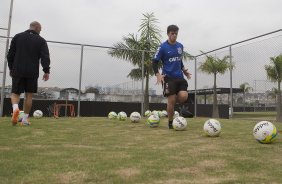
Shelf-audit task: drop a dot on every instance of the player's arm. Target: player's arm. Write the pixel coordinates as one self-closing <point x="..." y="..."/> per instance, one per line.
<point x="45" y="60"/>
<point x="185" y="71"/>
<point x="160" y="77"/>
<point x="155" y="61"/>
<point x="11" y="54"/>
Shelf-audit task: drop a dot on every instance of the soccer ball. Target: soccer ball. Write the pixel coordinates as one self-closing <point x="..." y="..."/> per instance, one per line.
<point x="176" y="114"/>
<point x="112" y="115"/>
<point x="135" y="117"/>
<point x="122" y="116"/>
<point x="148" y="113"/>
<point x="179" y="123"/>
<point x="156" y="113"/>
<point x="153" y="121"/>
<point x="21" y="115"/>
<point x="164" y="113"/>
<point x="212" y="127"/>
<point x="265" y="132"/>
<point x="37" y="114"/>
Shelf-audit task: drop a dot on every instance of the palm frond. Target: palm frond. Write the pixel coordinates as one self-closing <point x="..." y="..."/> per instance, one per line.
<point x="213" y="65"/>
<point x="274" y="69"/>
<point x="135" y="74"/>
<point x="131" y="47"/>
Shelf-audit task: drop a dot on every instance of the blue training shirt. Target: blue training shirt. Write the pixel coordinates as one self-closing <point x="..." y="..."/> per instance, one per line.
<point x="171" y="57"/>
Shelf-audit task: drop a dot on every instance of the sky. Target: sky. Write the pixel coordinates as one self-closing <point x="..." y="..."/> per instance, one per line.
<point x="204" y="24"/>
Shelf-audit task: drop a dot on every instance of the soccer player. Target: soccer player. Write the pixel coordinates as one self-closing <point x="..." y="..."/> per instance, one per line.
<point x="174" y="85"/>
<point x="27" y="50"/>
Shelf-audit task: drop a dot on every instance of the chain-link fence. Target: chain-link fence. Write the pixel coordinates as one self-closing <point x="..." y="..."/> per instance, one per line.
<point x="88" y="73"/>
<point x="256" y="92"/>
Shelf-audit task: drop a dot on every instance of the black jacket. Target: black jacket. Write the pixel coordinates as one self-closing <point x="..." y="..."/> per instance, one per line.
<point x="26" y="49"/>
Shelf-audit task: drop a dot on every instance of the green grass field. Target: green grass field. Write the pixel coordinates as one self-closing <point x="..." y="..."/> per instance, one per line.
<point x="270" y="116"/>
<point x="102" y="151"/>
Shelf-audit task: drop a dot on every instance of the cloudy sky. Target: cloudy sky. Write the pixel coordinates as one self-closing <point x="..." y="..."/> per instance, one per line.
<point x="204" y="24"/>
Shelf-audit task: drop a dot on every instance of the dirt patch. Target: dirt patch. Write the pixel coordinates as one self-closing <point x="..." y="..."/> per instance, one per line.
<point x="116" y="155"/>
<point x="5" y="148"/>
<point x="127" y="173"/>
<point x="38" y="133"/>
<point x="38" y="146"/>
<point x="72" y="177"/>
<point x="213" y="164"/>
<point x="78" y="146"/>
<point x="214" y="180"/>
<point x="173" y="181"/>
<point x="186" y="170"/>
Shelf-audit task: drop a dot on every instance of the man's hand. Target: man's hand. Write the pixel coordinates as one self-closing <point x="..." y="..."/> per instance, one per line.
<point x="45" y="77"/>
<point x="187" y="74"/>
<point x="160" y="78"/>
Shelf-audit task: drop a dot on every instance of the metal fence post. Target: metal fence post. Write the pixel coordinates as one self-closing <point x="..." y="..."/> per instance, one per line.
<point x="231" y="86"/>
<point x="195" y="97"/>
<point x="142" y="86"/>
<point x="5" y="61"/>
<point x="80" y="78"/>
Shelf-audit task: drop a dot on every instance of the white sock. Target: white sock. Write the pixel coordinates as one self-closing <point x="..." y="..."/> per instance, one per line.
<point x="15" y="106"/>
<point x="25" y="116"/>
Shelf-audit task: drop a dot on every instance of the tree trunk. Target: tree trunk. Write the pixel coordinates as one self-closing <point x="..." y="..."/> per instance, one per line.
<point x="244" y="101"/>
<point x="146" y="94"/>
<point x="278" y="107"/>
<point x="215" y="113"/>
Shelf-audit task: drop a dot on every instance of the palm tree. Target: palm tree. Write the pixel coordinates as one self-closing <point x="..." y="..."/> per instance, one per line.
<point x="274" y="74"/>
<point x="273" y="94"/>
<point x="128" y="50"/>
<point x="215" y="66"/>
<point x="246" y="88"/>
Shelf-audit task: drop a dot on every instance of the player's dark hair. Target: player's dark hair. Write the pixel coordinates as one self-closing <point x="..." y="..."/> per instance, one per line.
<point x="172" y="28"/>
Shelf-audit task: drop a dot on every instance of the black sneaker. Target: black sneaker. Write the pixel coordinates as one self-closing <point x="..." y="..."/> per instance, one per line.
<point x="184" y="112"/>
<point x="170" y="126"/>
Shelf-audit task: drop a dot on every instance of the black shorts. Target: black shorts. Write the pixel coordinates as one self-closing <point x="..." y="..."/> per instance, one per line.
<point x="22" y="85"/>
<point x="172" y="86"/>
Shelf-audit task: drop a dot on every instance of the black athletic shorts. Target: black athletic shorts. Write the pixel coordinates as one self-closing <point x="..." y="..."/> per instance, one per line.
<point x="172" y="86"/>
<point x="22" y="85"/>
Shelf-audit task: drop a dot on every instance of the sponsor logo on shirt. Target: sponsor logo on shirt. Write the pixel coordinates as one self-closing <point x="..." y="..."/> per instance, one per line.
<point x="174" y="59"/>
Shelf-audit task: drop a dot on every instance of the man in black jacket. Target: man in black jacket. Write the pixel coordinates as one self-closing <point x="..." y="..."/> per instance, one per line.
<point x="26" y="51"/>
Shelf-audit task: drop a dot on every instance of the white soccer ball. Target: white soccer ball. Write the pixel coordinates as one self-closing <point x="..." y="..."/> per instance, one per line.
<point x="21" y="115"/>
<point x="153" y="121"/>
<point x="37" y="114"/>
<point x="265" y="132"/>
<point x="148" y="113"/>
<point x="155" y="112"/>
<point x="164" y="113"/>
<point x="112" y="115"/>
<point x="179" y="123"/>
<point x="212" y="127"/>
<point x="122" y="116"/>
<point x="176" y="114"/>
<point x="135" y="117"/>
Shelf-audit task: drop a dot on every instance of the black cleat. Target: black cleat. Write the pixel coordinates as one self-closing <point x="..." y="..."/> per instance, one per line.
<point x="184" y="112"/>
<point x="170" y="125"/>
